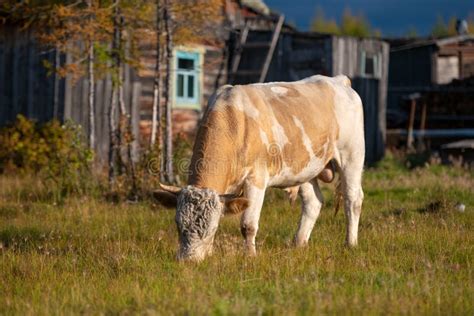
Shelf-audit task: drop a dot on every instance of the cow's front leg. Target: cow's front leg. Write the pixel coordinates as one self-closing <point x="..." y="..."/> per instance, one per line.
<point x="353" y="197"/>
<point x="251" y="216"/>
<point x="311" y="203"/>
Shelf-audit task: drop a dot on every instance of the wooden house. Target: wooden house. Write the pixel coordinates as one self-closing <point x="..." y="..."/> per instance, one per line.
<point x="430" y="89"/>
<point x="27" y="88"/>
<point x="259" y="47"/>
<point x="201" y="68"/>
<point x="249" y="44"/>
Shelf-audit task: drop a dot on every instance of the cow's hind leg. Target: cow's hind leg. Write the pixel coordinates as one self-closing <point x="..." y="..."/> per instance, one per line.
<point x="311" y="203"/>
<point x="351" y="168"/>
<point x="251" y="216"/>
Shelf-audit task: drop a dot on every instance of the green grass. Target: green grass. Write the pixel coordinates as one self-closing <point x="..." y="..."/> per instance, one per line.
<point x="90" y="256"/>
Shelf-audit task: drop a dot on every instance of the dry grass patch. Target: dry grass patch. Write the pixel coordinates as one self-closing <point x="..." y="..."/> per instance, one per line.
<point x="91" y="256"/>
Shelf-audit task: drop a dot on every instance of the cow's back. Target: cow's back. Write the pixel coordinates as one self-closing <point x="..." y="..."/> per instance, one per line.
<point x="294" y="124"/>
<point x="281" y="133"/>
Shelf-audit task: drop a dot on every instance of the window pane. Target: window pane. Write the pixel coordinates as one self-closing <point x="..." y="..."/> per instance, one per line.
<point x="369" y="65"/>
<point x="180" y="87"/>
<point x="191" y="87"/>
<point x="185" y="64"/>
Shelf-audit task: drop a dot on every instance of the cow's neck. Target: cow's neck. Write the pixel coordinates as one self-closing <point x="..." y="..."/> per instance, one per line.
<point x="214" y="161"/>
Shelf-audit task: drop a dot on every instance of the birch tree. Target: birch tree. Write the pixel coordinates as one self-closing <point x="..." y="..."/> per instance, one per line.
<point x="156" y="109"/>
<point x="91" y="77"/>
<point x="168" y="20"/>
<point x="184" y="22"/>
<point x="113" y="131"/>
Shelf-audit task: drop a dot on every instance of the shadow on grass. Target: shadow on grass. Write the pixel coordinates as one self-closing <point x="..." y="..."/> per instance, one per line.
<point x="397" y="212"/>
<point x="24" y="238"/>
<point x="435" y="207"/>
<point x="9" y="211"/>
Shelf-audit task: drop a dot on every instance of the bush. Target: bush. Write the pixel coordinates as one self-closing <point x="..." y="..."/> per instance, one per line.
<point x="55" y="152"/>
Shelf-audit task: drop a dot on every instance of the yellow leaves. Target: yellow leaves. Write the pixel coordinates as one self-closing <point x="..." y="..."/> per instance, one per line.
<point x="351" y="24"/>
<point x="70" y="27"/>
<point x="49" y="147"/>
<point x="63" y="12"/>
<point x="196" y="20"/>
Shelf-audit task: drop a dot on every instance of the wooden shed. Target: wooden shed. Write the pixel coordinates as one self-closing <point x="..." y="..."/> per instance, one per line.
<point x="300" y="55"/>
<point x="440" y="73"/>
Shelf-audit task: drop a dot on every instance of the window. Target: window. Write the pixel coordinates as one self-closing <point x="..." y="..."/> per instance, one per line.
<point x="370" y="65"/>
<point x="187" y="79"/>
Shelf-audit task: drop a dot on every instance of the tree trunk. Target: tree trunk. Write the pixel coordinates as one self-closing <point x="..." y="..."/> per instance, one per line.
<point x="112" y="137"/>
<point x="57" y="81"/>
<point x="156" y="116"/>
<point x="91" y="96"/>
<point x="125" y="130"/>
<point x="91" y="77"/>
<point x="169" y="60"/>
<point x="113" y="133"/>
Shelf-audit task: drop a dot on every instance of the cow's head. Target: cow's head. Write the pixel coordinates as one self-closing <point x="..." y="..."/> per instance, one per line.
<point x="198" y="212"/>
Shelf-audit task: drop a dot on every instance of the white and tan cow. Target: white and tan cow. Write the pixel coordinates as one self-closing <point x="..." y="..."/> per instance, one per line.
<point x="280" y="134"/>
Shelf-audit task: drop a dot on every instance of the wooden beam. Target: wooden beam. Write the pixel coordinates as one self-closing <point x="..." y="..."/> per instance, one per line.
<point x="411" y="122"/>
<point x="268" y="60"/>
<point x="421" y="136"/>
<point x="460" y="64"/>
<point x="246" y="73"/>
<point x="30" y="78"/>
<point x="256" y="45"/>
<point x="238" y="50"/>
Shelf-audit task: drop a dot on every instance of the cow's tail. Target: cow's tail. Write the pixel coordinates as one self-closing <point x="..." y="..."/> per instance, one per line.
<point x="338" y="197"/>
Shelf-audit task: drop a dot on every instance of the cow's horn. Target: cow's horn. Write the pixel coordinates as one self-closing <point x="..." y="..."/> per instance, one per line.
<point x="170" y="188"/>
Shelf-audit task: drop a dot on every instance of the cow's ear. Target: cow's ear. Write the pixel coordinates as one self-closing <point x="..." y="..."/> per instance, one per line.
<point x="233" y="204"/>
<point x="165" y="198"/>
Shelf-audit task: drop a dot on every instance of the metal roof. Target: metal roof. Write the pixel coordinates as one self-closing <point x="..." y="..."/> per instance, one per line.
<point x="436" y="41"/>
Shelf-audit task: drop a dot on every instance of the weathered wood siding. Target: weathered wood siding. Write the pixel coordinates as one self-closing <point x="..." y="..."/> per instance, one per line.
<point x="26" y="88"/>
<point x="411" y="67"/>
<point x="214" y="75"/>
<point x="447" y="69"/>
<point x="347" y="60"/>
<point x="374" y="123"/>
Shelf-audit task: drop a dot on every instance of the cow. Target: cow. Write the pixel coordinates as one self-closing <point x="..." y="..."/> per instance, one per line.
<point x="279" y="134"/>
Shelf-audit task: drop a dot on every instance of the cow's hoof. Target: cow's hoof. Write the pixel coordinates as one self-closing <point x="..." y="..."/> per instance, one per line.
<point x="250" y="251"/>
<point x="300" y="243"/>
<point x="351" y="244"/>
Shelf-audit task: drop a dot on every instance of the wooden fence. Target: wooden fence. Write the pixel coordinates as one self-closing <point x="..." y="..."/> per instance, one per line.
<point x="27" y="88"/>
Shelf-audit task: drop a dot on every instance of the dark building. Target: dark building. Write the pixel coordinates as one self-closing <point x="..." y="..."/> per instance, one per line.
<point x="436" y="75"/>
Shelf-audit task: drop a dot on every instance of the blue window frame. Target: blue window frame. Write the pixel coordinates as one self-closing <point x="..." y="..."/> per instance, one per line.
<point x="187" y="79"/>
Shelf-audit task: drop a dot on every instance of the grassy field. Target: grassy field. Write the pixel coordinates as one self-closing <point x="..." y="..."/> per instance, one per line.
<point x="90" y="256"/>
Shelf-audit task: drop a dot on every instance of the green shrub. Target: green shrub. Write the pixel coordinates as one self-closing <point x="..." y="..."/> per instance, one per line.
<point x="53" y="151"/>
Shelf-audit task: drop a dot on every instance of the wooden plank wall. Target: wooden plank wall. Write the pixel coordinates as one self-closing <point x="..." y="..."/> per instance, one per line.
<point x="27" y="88"/>
<point x="368" y="89"/>
<point x="347" y="53"/>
